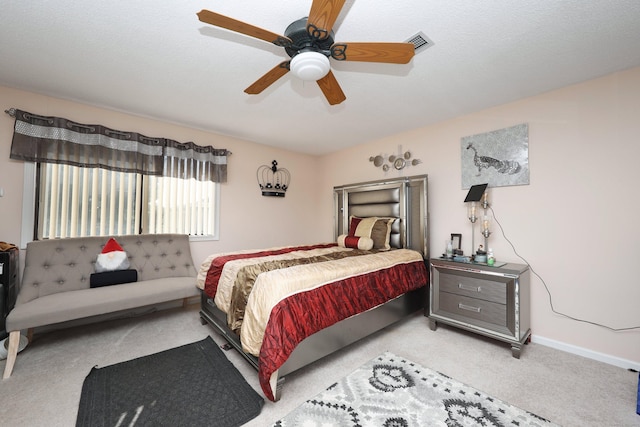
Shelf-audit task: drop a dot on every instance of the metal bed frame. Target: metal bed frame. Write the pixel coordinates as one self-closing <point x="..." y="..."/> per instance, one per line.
<point x="403" y="198"/>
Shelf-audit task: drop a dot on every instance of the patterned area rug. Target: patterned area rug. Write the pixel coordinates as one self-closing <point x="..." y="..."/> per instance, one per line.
<point x="191" y="385"/>
<point x="390" y="391"/>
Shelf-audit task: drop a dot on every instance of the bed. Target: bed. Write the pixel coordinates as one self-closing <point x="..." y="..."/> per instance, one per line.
<point x="260" y="299"/>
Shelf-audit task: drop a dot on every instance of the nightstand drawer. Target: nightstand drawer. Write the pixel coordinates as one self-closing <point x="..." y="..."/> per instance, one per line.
<point x="473" y="308"/>
<point x="473" y="286"/>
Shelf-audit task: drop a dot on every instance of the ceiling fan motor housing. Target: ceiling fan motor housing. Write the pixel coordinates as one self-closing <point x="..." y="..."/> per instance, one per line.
<point x="303" y="41"/>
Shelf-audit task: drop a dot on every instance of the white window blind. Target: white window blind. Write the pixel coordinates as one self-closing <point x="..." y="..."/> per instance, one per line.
<point x="75" y="201"/>
<point x="180" y="206"/>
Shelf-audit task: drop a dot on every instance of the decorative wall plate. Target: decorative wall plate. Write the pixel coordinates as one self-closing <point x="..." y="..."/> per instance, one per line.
<point x="399" y="163"/>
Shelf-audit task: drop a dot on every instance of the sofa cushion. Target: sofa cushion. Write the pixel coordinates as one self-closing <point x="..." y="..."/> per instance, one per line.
<point x="65" y="306"/>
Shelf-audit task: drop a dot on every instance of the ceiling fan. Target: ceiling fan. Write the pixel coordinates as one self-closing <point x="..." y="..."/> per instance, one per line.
<point x="309" y="42"/>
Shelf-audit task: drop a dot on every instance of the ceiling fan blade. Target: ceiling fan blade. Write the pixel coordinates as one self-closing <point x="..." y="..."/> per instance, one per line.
<point x="243" y="28"/>
<point x="331" y="89"/>
<point x="322" y="16"/>
<point x="268" y="79"/>
<point x="393" y="53"/>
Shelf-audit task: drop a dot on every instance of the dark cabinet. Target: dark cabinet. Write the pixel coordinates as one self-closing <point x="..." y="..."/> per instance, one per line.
<point x="9" y="264"/>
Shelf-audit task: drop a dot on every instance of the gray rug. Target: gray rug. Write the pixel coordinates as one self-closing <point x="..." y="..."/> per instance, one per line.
<point x="390" y="391"/>
<point x="191" y="385"/>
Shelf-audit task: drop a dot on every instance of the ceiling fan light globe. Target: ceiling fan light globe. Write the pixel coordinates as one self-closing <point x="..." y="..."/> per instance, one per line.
<point x="310" y="66"/>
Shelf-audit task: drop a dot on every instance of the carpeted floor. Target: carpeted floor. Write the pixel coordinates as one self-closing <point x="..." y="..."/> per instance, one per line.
<point x="191" y="385"/>
<point x="566" y="389"/>
<point x="392" y="391"/>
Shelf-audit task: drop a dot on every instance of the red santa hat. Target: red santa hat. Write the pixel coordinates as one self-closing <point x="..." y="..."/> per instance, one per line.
<point x="111" y="246"/>
<point x="112" y="257"/>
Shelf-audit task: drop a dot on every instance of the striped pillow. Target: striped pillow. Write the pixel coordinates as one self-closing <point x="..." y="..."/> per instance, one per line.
<point x="364" y="243"/>
<point x="376" y="228"/>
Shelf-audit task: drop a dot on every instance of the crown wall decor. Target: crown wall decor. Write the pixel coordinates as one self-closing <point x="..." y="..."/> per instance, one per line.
<point x="273" y="181"/>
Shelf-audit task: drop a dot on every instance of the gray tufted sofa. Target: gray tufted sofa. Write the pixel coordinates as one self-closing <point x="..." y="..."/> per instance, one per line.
<point x="55" y="285"/>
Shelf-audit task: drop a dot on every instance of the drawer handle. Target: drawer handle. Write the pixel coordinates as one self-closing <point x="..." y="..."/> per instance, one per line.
<point x="469" y="288"/>
<point x="468" y="307"/>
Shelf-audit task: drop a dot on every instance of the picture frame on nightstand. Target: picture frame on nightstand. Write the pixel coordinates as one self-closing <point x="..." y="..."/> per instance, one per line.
<point x="456" y="240"/>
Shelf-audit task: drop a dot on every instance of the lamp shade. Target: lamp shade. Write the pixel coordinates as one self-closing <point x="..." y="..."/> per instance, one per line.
<point x="475" y="193"/>
<point x="310" y="66"/>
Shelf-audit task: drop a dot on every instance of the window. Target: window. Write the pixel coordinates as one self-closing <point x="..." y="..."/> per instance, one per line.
<point x="91" y="180"/>
<point x="174" y="205"/>
<point x="73" y="201"/>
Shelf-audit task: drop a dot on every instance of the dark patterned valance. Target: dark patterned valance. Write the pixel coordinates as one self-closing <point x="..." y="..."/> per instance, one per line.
<point x="57" y="140"/>
<point x="188" y="160"/>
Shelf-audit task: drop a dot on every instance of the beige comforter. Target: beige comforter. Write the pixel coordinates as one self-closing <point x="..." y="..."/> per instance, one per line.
<point x="273" y="286"/>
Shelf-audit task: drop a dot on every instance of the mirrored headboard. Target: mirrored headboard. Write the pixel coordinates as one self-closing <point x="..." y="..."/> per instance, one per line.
<point x="403" y="198"/>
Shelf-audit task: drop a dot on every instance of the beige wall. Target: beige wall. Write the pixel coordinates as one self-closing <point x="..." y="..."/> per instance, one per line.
<point x="248" y="220"/>
<point x="576" y="223"/>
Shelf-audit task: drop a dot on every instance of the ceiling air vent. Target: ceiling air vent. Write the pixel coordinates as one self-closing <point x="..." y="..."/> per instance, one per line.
<point x="420" y="41"/>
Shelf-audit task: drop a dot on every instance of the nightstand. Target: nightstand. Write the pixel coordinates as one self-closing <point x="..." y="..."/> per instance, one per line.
<point x="491" y="301"/>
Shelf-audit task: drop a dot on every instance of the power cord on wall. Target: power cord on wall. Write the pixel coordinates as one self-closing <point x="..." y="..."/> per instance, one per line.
<point x="547" y="288"/>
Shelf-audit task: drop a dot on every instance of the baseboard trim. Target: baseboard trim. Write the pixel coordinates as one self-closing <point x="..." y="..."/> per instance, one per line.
<point x="584" y="352"/>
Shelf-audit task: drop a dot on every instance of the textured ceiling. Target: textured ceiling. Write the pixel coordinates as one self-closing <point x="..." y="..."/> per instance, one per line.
<point x="156" y="59"/>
